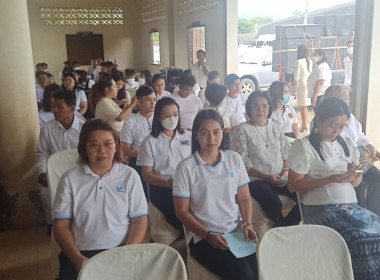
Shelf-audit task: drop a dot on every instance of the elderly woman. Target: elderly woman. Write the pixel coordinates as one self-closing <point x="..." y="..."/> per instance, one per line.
<point x="70" y="83"/>
<point x="264" y="149"/>
<point x="99" y="204"/>
<point x="103" y="93"/>
<point x="324" y="169"/>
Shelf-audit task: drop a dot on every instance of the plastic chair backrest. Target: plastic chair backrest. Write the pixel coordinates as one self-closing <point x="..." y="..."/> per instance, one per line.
<point x="304" y="252"/>
<point x="58" y="163"/>
<point x="135" y="262"/>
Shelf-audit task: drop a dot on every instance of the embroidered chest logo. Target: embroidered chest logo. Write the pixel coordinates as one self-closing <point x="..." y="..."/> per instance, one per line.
<point x="290" y="116"/>
<point x="232" y="174"/>
<point x="119" y="189"/>
<point x="185" y="143"/>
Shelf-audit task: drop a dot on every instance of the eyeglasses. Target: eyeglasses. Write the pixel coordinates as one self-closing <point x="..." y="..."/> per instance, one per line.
<point x="94" y="146"/>
<point x="265" y="107"/>
<point x="334" y="126"/>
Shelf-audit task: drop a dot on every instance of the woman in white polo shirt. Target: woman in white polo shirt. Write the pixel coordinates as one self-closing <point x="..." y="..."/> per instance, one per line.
<point x="211" y="198"/>
<point x="99" y="204"/>
<point x="70" y="83"/>
<point x="160" y="154"/>
<point x="324" y="168"/>
<point x="282" y="113"/>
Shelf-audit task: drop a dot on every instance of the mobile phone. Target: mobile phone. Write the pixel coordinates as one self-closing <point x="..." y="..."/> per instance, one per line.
<point x="358" y="171"/>
<point x="282" y="181"/>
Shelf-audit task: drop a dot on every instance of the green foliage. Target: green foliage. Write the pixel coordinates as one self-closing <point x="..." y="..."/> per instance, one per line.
<point x="246" y="26"/>
<point x="155" y="37"/>
<point x="297" y="13"/>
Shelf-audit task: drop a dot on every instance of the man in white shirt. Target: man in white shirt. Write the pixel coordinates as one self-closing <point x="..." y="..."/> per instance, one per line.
<point x="348" y="63"/>
<point x="200" y="69"/>
<point x="235" y="99"/>
<point x="42" y="82"/>
<point x="90" y="70"/>
<point x="189" y="104"/>
<point x="59" y="134"/>
<point x="138" y="126"/>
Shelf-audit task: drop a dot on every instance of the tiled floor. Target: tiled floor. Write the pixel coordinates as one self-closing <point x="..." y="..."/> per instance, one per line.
<point x="25" y="254"/>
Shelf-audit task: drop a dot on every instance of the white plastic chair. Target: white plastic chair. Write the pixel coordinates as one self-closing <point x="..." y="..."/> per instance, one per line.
<point x="304" y="252"/>
<point x="58" y="164"/>
<point x="260" y="222"/>
<point x="135" y="262"/>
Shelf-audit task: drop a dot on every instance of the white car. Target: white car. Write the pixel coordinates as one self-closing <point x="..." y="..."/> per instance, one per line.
<point x="255" y="69"/>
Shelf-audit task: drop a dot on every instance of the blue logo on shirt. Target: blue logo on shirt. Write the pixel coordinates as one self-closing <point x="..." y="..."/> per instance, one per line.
<point x="120" y="189"/>
<point x="232" y="174"/>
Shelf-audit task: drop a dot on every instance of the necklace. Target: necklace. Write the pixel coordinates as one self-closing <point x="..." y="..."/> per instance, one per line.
<point x="262" y="137"/>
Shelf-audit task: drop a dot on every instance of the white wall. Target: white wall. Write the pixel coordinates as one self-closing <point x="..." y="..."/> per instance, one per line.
<point x="49" y="42"/>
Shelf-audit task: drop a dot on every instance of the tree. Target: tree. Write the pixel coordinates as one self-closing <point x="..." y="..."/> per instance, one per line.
<point x="246" y="26"/>
<point x="297" y="13"/>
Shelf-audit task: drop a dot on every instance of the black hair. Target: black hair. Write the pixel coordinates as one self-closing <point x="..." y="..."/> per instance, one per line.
<point x="48" y="92"/>
<point x="73" y="77"/>
<point x="67" y="96"/>
<point x="328" y="108"/>
<point x="82" y="75"/>
<point x="39" y="64"/>
<point x="303" y="52"/>
<point x="103" y="64"/>
<point x="44" y="64"/>
<point x="212" y="75"/>
<point x="130" y="72"/>
<point x="322" y="53"/>
<point x="187" y="80"/>
<point x="187" y="72"/>
<point x="203" y="115"/>
<point x="109" y="64"/>
<point x="199" y="51"/>
<point x="97" y="90"/>
<point x="39" y="73"/>
<point x="157" y="77"/>
<point x="144" y="91"/>
<point x="49" y="75"/>
<point x="156" y="123"/>
<point x="215" y="93"/>
<point x="276" y="90"/>
<point x="148" y="77"/>
<point x="119" y="76"/>
<point x="251" y="100"/>
<point x="230" y="79"/>
<point x="349" y="42"/>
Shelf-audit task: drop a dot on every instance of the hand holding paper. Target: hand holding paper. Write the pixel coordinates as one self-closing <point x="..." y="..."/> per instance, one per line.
<point x="238" y="246"/>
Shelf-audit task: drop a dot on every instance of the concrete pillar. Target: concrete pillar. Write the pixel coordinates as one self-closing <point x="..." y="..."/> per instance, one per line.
<point x="231" y="30"/>
<point x="19" y="127"/>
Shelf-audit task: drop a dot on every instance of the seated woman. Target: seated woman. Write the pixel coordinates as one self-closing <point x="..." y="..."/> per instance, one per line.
<point x="145" y="78"/>
<point x="324" y="169"/>
<point x="102" y="95"/>
<point x="211" y="198"/>
<point x="367" y="197"/>
<point x="212" y="78"/>
<point x="70" y="83"/>
<point x="99" y="204"/>
<point x="158" y="81"/>
<point x="160" y="154"/>
<point x="45" y="114"/>
<point x="282" y="113"/>
<point x="215" y="94"/>
<point x="264" y="149"/>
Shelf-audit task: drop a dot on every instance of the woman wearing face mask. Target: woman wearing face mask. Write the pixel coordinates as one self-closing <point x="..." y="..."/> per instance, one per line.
<point x="319" y="79"/>
<point x="282" y="113"/>
<point x="160" y="154"/>
<point x="145" y="78"/>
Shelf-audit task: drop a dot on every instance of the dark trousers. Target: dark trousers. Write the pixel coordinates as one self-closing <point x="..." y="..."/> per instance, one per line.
<point x="162" y="198"/>
<point x="67" y="269"/>
<point x="132" y="163"/>
<point x="290" y="134"/>
<point x="319" y="100"/>
<point x="266" y="195"/>
<point x="224" y="263"/>
<point x="372" y="179"/>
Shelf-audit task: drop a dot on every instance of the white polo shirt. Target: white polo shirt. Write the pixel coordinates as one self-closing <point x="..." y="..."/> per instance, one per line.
<point x="188" y="108"/>
<point x="229" y="117"/>
<point x="81" y="97"/>
<point x="39" y="93"/>
<point x="164" y="153"/>
<point x="54" y="138"/>
<point x="100" y="207"/>
<point x="320" y="72"/>
<point x="196" y="89"/>
<point x="285" y="119"/>
<point x="354" y="131"/>
<point x="135" y="129"/>
<point x="164" y="94"/>
<point x="237" y="105"/>
<point x="212" y="191"/>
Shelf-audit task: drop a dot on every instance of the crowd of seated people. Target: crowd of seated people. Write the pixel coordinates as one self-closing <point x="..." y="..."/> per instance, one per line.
<point x="200" y="154"/>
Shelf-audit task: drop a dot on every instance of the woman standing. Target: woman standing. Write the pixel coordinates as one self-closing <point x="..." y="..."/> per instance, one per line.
<point x="103" y="93"/>
<point x="70" y="83"/>
<point x="302" y="70"/>
<point x="211" y="198"/>
<point x="319" y="79"/>
<point x="282" y="113"/>
<point x="100" y="204"/>
<point x="324" y="169"/>
<point x="265" y="149"/>
<point x="160" y="154"/>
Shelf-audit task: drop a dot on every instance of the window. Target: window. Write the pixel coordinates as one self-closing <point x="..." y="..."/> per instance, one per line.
<point x="155" y="55"/>
<point x="196" y="40"/>
<point x="82" y="16"/>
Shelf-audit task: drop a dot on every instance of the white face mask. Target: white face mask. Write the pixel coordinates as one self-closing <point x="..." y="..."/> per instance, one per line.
<point x="350" y="50"/>
<point x="141" y="81"/>
<point x="170" y="123"/>
<point x="130" y="81"/>
<point x="314" y="59"/>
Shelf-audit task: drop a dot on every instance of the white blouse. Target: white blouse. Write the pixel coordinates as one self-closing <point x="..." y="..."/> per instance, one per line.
<point x="304" y="159"/>
<point x="261" y="147"/>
